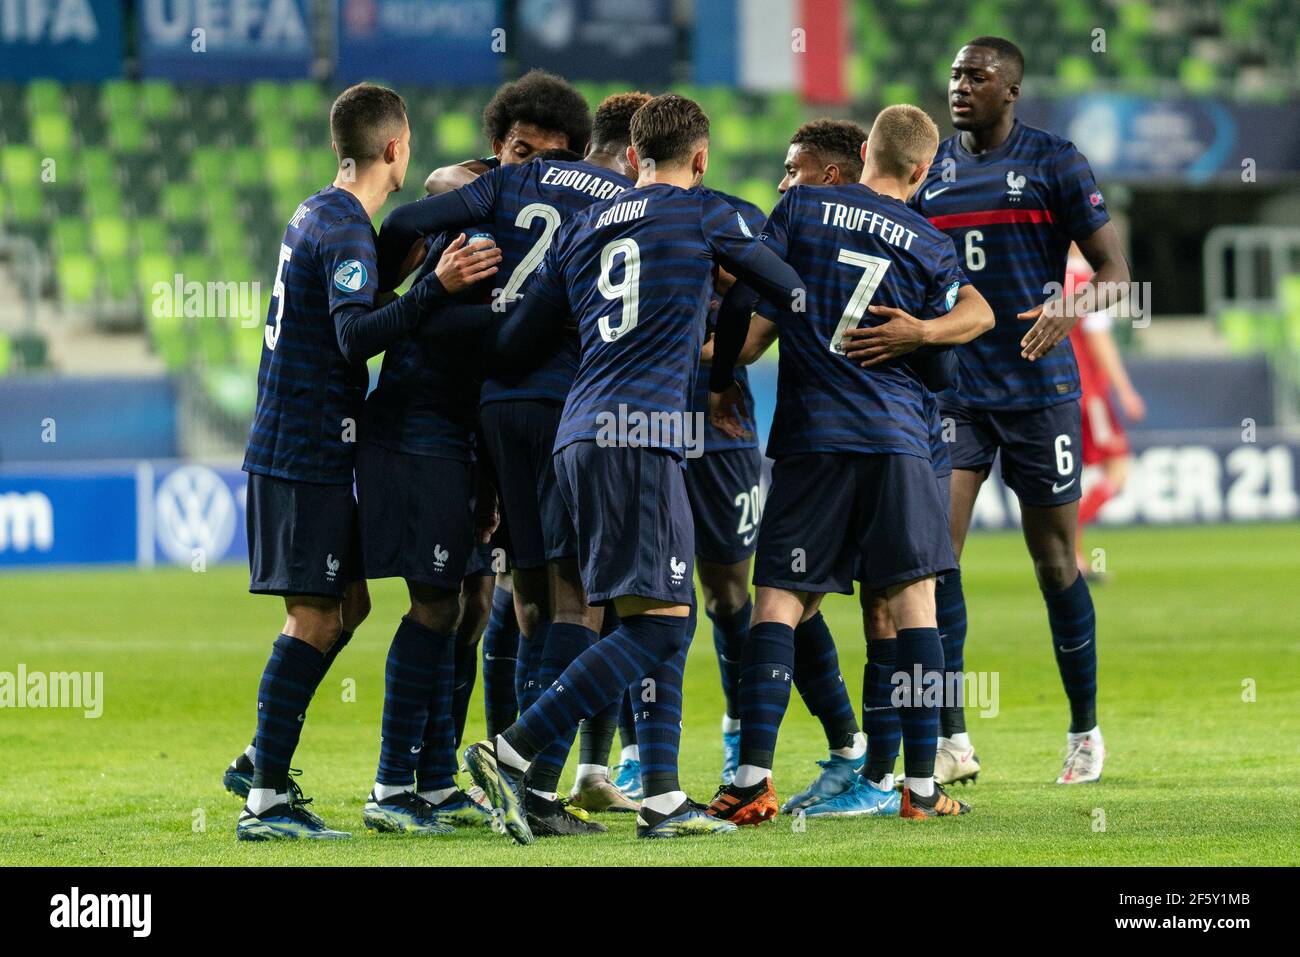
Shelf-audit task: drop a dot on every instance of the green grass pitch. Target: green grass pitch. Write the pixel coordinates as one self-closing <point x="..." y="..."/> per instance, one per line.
<point x="1191" y="621"/>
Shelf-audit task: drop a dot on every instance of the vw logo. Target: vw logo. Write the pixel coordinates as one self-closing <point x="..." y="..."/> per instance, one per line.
<point x="193" y="508"/>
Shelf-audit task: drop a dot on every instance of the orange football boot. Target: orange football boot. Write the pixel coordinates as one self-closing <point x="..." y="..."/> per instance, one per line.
<point x="751" y="805"/>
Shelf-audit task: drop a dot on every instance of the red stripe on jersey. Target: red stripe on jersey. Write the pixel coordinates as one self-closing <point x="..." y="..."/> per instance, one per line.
<point x="990" y="217"/>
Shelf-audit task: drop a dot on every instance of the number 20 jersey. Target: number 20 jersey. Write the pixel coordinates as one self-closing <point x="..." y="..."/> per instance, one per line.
<point x="854" y="248"/>
<point x="1012" y="213"/>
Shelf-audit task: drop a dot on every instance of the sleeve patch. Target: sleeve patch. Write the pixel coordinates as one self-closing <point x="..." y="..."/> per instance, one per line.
<point x="351" y="276"/>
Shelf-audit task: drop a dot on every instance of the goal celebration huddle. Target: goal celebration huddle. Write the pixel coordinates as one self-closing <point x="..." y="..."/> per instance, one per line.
<point x="562" y="440"/>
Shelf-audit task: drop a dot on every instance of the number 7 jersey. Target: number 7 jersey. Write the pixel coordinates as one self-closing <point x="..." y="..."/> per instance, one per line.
<point x="854" y="248"/>
<point x="1012" y="213"/>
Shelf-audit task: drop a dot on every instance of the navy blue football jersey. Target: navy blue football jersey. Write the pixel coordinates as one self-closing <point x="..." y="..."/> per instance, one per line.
<point x="939" y="455"/>
<point x="636" y="273"/>
<point x="853" y="247"/>
<point x="1012" y="213"/>
<point x="715" y="440"/>
<point x="426" y="400"/>
<point x="308" y="394"/>
<point x="525" y="204"/>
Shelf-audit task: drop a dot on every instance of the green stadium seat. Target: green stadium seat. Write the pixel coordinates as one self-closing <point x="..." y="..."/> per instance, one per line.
<point x="26" y="206"/>
<point x="20" y="166"/>
<point x="110" y="236"/>
<point x="247" y="344"/>
<point x="118" y="98"/>
<point x="157" y="99"/>
<point x="276" y="131"/>
<point x="97" y="168"/>
<point x="76" y="275"/>
<point x="306" y="101"/>
<point x="1075" y="73"/>
<point x="892" y="93"/>
<point x="1197" y="76"/>
<point x="51" y="133"/>
<point x="127" y="134"/>
<point x="44" y="97"/>
<point x="151" y="269"/>
<point x="225" y="235"/>
<point x="105" y="201"/>
<point x="150" y="236"/>
<point x="212" y="164"/>
<point x="118" y="278"/>
<point x="183" y="202"/>
<point x="456" y="133"/>
<point x="69" y="237"/>
<point x="280" y="167"/>
<point x="6" y="355"/>
<point x="266" y="99"/>
<point x="247" y="167"/>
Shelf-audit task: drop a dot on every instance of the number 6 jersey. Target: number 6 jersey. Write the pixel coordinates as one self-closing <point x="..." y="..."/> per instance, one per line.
<point x="1012" y="213"/>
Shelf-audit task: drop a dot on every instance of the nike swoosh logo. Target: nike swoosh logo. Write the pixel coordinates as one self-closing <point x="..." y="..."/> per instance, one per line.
<point x="487" y="657"/>
<point x="1067" y="651"/>
<point x="749" y="539"/>
<point x="1057" y="489"/>
<point x="932" y="193"/>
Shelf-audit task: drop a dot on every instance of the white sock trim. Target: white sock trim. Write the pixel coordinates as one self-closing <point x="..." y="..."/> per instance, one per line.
<point x="664" y="803"/>
<point x="747" y="775"/>
<point x="631" y="753"/>
<point x="730" y="725"/>
<point x="598" y="771"/>
<point x="508" y="755"/>
<point x="263" y="799"/>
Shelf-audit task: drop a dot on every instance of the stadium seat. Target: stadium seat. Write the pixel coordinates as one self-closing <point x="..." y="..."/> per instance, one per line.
<point x="109" y="236"/>
<point x="20" y="166"/>
<point x="76" y="275"/>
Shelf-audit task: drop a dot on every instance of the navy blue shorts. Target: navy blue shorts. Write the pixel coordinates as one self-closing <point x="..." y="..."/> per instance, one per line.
<point x="723" y="488"/>
<point x="303" y="538"/>
<point x="520" y="439"/>
<point x="1041" y="449"/>
<point x="488" y="560"/>
<point x="416" y="513"/>
<point x="633" y="521"/>
<point x="834" y="518"/>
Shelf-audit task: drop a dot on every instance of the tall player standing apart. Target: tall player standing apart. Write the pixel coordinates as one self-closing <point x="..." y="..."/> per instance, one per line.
<point x="1012" y="198"/>
<point x="322" y="326"/>
<point x="634" y="272"/>
<point x="525" y="204"/>
<point x="853" y="490"/>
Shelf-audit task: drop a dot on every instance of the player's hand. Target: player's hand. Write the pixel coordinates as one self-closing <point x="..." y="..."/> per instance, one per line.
<point x="461" y="266"/>
<point x="898" y="335"/>
<point x="1051" y="325"/>
<point x="706" y="351"/>
<point x="1135" y="409"/>
<point x="727" y="412"/>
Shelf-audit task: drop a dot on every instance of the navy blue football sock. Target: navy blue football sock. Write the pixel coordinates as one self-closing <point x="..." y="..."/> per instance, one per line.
<point x="409" y="678"/>
<point x="533" y="686"/>
<point x="436" y="768"/>
<point x="627" y="723"/>
<point x="1074" y="639"/>
<point x="500" y="649"/>
<point x="564" y="643"/>
<point x="659" y="725"/>
<point x="609" y="622"/>
<point x="764" y="690"/>
<point x="729" y="633"/>
<point x="821" y="685"/>
<point x="597" y="677"/>
<point x="289" y="680"/>
<point x="919" y="651"/>
<point x="879" y="717"/>
<point x="466" y="674"/>
<point x="596" y="734"/>
<point x="328" y="659"/>
<point x="950" y="607"/>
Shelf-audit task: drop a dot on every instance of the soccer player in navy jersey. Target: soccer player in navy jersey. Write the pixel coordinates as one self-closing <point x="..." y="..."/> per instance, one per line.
<point x="417" y="433"/>
<point x="526" y="204"/>
<point x="322" y="325"/>
<point x="1012" y="198"/>
<point x="853" y="491"/>
<point x="633" y="271"/>
<point x="535" y="113"/>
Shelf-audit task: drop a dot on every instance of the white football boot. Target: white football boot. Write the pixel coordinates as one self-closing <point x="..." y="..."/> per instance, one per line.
<point x="953" y="763"/>
<point x="1084" y="757"/>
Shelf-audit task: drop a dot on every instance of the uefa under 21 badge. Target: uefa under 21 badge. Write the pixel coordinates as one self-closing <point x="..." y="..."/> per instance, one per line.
<point x="952" y="294"/>
<point x="350" y="276"/>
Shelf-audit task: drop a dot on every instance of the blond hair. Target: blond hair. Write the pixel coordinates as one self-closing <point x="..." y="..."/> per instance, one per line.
<point x="902" y="138"/>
